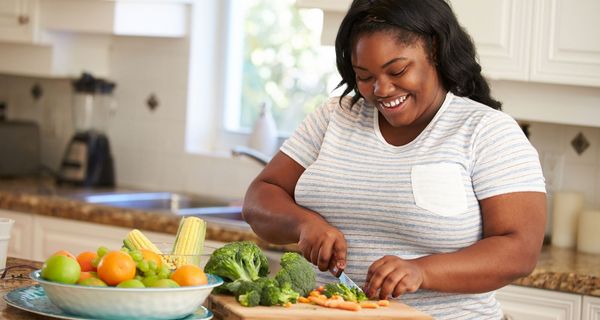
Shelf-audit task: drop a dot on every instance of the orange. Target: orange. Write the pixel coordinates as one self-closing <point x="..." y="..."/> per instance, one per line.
<point x="189" y="275"/>
<point x="85" y="260"/>
<point x="64" y="253"/>
<point x="87" y="274"/>
<point x="116" y="267"/>
<point x="151" y="256"/>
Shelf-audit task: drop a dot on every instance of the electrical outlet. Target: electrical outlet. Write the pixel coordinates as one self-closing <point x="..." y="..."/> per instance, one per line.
<point x="553" y="165"/>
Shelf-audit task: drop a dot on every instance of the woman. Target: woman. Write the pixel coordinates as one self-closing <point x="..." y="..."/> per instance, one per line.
<point x="416" y="186"/>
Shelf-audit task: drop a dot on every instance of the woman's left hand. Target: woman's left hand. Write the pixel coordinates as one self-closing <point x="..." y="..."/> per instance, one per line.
<point x="393" y="276"/>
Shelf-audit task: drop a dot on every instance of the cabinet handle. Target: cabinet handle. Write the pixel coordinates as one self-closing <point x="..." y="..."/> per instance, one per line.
<point x="23" y="19"/>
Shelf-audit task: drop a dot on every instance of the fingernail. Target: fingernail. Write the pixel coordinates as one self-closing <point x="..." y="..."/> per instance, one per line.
<point x="341" y="264"/>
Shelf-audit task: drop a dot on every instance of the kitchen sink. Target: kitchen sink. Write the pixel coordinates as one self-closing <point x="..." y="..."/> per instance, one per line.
<point x="208" y="208"/>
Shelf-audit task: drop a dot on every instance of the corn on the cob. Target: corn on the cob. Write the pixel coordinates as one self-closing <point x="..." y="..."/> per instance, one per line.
<point x="136" y="240"/>
<point x="189" y="241"/>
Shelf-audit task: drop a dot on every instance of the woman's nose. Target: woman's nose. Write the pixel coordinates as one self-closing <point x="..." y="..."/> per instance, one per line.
<point x="382" y="87"/>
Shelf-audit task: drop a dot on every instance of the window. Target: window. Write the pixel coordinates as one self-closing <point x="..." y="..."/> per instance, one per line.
<point x="274" y="55"/>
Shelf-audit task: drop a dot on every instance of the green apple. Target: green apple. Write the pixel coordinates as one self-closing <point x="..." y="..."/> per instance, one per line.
<point x="131" y="283"/>
<point x="92" y="282"/>
<point x="61" y="269"/>
<point x="164" y="283"/>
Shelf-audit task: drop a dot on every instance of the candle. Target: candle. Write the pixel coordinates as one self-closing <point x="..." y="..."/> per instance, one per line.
<point x="567" y="206"/>
<point x="588" y="234"/>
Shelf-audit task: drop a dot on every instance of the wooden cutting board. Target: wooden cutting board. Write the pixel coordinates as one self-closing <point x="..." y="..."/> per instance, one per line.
<point x="227" y="308"/>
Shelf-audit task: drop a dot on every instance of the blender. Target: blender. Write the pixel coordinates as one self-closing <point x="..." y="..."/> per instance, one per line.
<point x="88" y="160"/>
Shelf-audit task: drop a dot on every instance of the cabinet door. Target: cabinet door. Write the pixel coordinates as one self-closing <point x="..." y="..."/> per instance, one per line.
<point x="502" y="38"/>
<point x="567" y="46"/>
<point x="20" y="244"/>
<point x="591" y="308"/>
<point x="17" y="18"/>
<point x="521" y="303"/>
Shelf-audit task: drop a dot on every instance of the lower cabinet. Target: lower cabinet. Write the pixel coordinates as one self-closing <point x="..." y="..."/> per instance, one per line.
<point x="591" y="308"/>
<point x="521" y="303"/>
<point x="20" y="244"/>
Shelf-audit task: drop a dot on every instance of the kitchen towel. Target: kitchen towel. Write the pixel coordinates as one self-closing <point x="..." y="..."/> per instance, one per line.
<point x="588" y="232"/>
<point x="567" y="206"/>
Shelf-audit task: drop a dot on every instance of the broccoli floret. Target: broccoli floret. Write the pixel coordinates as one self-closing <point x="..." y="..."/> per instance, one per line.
<point x="273" y="295"/>
<point x="340" y="289"/>
<point x="298" y="272"/>
<point x="250" y="299"/>
<point x="238" y="261"/>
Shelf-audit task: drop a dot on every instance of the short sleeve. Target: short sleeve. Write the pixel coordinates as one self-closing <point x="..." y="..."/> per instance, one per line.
<point x="304" y="144"/>
<point x="504" y="159"/>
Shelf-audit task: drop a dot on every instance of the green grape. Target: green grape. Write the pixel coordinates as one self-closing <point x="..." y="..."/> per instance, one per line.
<point x="96" y="261"/>
<point x="150" y="273"/>
<point x="125" y="249"/>
<point x="143" y="266"/>
<point x="164" y="273"/>
<point x="136" y="255"/>
<point x="102" y="251"/>
<point x="152" y="265"/>
<point x="148" y="281"/>
<point x="139" y="277"/>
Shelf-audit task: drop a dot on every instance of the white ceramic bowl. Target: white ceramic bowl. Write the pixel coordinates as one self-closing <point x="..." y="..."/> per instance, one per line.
<point x="127" y="303"/>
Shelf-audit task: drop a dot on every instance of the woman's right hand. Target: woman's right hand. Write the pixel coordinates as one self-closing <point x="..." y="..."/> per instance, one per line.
<point x="323" y="245"/>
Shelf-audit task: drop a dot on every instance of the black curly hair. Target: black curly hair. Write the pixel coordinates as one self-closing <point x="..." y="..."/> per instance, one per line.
<point x="433" y="22"/>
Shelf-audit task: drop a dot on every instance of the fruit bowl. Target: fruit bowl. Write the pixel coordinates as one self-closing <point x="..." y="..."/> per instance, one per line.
<point x="127" y="303"/>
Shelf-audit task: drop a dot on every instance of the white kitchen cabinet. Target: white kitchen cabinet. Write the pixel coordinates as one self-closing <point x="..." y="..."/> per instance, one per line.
<point x="153" y="18"/>
<point x="20" y="244"/>
<point x="550" y="41"/>
<point x="521" y="303"/>
<point x="18" y="19"/>
<point x="591" y="308"/>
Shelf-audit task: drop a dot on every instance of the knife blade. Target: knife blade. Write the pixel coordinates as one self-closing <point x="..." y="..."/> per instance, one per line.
<point x="345" y="280"/>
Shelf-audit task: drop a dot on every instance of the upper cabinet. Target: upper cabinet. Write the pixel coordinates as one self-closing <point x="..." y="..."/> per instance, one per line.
<point x="17" y="20"/>
<point x="150" y="18"/>
<point x="550" y="41"/>
<point x="62" y="38"/>
<point x="546" y="41"/>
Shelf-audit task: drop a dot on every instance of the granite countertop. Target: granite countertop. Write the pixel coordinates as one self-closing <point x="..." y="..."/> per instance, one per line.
<point x="557" y="269"/>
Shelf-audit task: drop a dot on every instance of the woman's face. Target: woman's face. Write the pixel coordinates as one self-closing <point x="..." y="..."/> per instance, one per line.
<point x="398" y="79"/>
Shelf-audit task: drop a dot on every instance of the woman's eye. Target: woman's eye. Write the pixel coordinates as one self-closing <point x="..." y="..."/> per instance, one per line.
<point x="399" y="73"/>
<point x="363" y="78"/>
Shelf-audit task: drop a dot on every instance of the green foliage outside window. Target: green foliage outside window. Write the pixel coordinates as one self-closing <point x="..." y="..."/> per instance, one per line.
<point x="284" y="63"/>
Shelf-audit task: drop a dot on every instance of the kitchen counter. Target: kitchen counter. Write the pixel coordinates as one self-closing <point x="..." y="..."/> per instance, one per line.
<point x="15" y="278"/>
<point x="558" y="269"/>
<point x="43" y="197"/>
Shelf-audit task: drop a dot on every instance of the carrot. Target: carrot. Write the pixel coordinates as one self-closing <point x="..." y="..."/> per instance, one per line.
<point x="303" y="300"/>
<point x="318" y="301"/>
<point x="349" y="305"/>
<point x="383" y="303"/>
<point x="320" y="289"/>
<point x="314" y="293"/>
<point x="369" y="304"/>
<point x="287" y="304"/>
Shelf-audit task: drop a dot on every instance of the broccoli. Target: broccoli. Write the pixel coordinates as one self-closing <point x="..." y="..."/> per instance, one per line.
<point x="250" y="299"/>
<point x="241" y="260"/>
<point x="349" y="294"/>
<point x="273" y="295"/>
<point x="297" y="272"/>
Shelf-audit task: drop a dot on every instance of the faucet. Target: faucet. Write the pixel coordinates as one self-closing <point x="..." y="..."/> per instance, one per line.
<point x="251" y="153"/>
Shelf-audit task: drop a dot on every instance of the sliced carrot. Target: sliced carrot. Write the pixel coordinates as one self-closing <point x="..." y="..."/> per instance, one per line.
<point x="333" y="303"/>
<point x="369" y="304"/>
<point x="287" y="304"/>
<point x="349" y="305"/>
<point x="383" y="303"/>
<point x="319" y="301"/>
<point x="314" y="293"/>
<point x="320" y="289"/>
<point x="303" y="300"/>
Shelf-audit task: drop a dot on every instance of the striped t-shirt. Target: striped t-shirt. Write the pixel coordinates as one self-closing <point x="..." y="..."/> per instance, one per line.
<point x="412" y="200"/>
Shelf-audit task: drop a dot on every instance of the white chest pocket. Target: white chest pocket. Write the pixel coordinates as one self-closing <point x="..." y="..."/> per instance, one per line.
<point x="439" y="188"/>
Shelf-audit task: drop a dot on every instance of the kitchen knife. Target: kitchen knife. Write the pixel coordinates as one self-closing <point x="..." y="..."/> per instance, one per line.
<point x="344" y="279"/>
